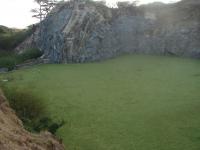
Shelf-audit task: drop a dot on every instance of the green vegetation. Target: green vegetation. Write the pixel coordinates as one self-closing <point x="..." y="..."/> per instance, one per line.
<point x="10" y="59"/>
<point x="31" y="110"/>
<point x="129" y="103"/>
<point x="10" y="38"/>
<point x="28" y="54"/>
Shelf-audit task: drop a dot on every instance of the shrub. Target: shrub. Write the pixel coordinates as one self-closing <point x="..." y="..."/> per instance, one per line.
<point x="45" y="123"/>
<point x="8" y="62"/>
<point x="25" y="103"/>
<point x="31" y="110"/>
<point x="31" y="53"/>
<point x="9" y="59"/>
<point x="6" y="42"/>
<point x="2" y="29"/>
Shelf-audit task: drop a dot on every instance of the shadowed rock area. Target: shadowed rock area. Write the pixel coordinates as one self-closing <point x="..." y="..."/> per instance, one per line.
<point x="82" y="31"/>
<point x="14" y="137"/>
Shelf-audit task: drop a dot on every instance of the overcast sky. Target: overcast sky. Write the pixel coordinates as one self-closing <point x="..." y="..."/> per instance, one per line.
<point x="16" y="13"/>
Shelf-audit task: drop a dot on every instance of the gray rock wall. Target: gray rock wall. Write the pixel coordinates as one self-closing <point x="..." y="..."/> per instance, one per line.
<point x="81" y="32"/>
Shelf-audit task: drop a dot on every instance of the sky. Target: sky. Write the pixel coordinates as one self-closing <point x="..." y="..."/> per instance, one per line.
<point x="16" y="13"/>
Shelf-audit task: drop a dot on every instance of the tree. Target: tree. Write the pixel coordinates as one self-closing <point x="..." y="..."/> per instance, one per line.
<point x="45" y="6"/>
<point x="125" y="4"/>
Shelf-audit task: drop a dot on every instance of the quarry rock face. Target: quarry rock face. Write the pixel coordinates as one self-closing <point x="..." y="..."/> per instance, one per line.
<point x="14" y="137"/>
<point x="79" y="31"/>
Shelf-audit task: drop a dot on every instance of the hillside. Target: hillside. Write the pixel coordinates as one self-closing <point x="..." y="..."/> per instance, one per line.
<point x="10" y="37"/>
<point x="13" y="136"/>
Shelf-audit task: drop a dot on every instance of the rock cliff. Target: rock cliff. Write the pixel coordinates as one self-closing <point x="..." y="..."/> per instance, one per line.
<point x="81" y="31"/>
<point x="14" y="137"/>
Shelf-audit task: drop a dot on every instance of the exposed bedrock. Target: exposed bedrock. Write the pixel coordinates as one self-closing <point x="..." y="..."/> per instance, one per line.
<point x="87" y="31"/>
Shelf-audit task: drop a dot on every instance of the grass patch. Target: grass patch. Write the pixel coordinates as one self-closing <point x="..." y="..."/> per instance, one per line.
<point x="129" y="103"/>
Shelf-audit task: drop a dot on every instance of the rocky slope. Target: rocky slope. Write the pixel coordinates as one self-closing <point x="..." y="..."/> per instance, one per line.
<point x="14" y="137"/>
<point x="81" y="31"/>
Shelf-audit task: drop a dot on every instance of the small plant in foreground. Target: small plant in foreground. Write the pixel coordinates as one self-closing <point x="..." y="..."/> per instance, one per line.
<point x="46" y="123"/>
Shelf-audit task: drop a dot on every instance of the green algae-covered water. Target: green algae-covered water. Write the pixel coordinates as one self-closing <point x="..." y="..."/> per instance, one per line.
<point x="128" y="103"/>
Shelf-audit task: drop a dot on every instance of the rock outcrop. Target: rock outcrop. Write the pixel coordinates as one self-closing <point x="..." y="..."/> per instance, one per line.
<point x="14" y="137"/>
<point x="81" y="31"/>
